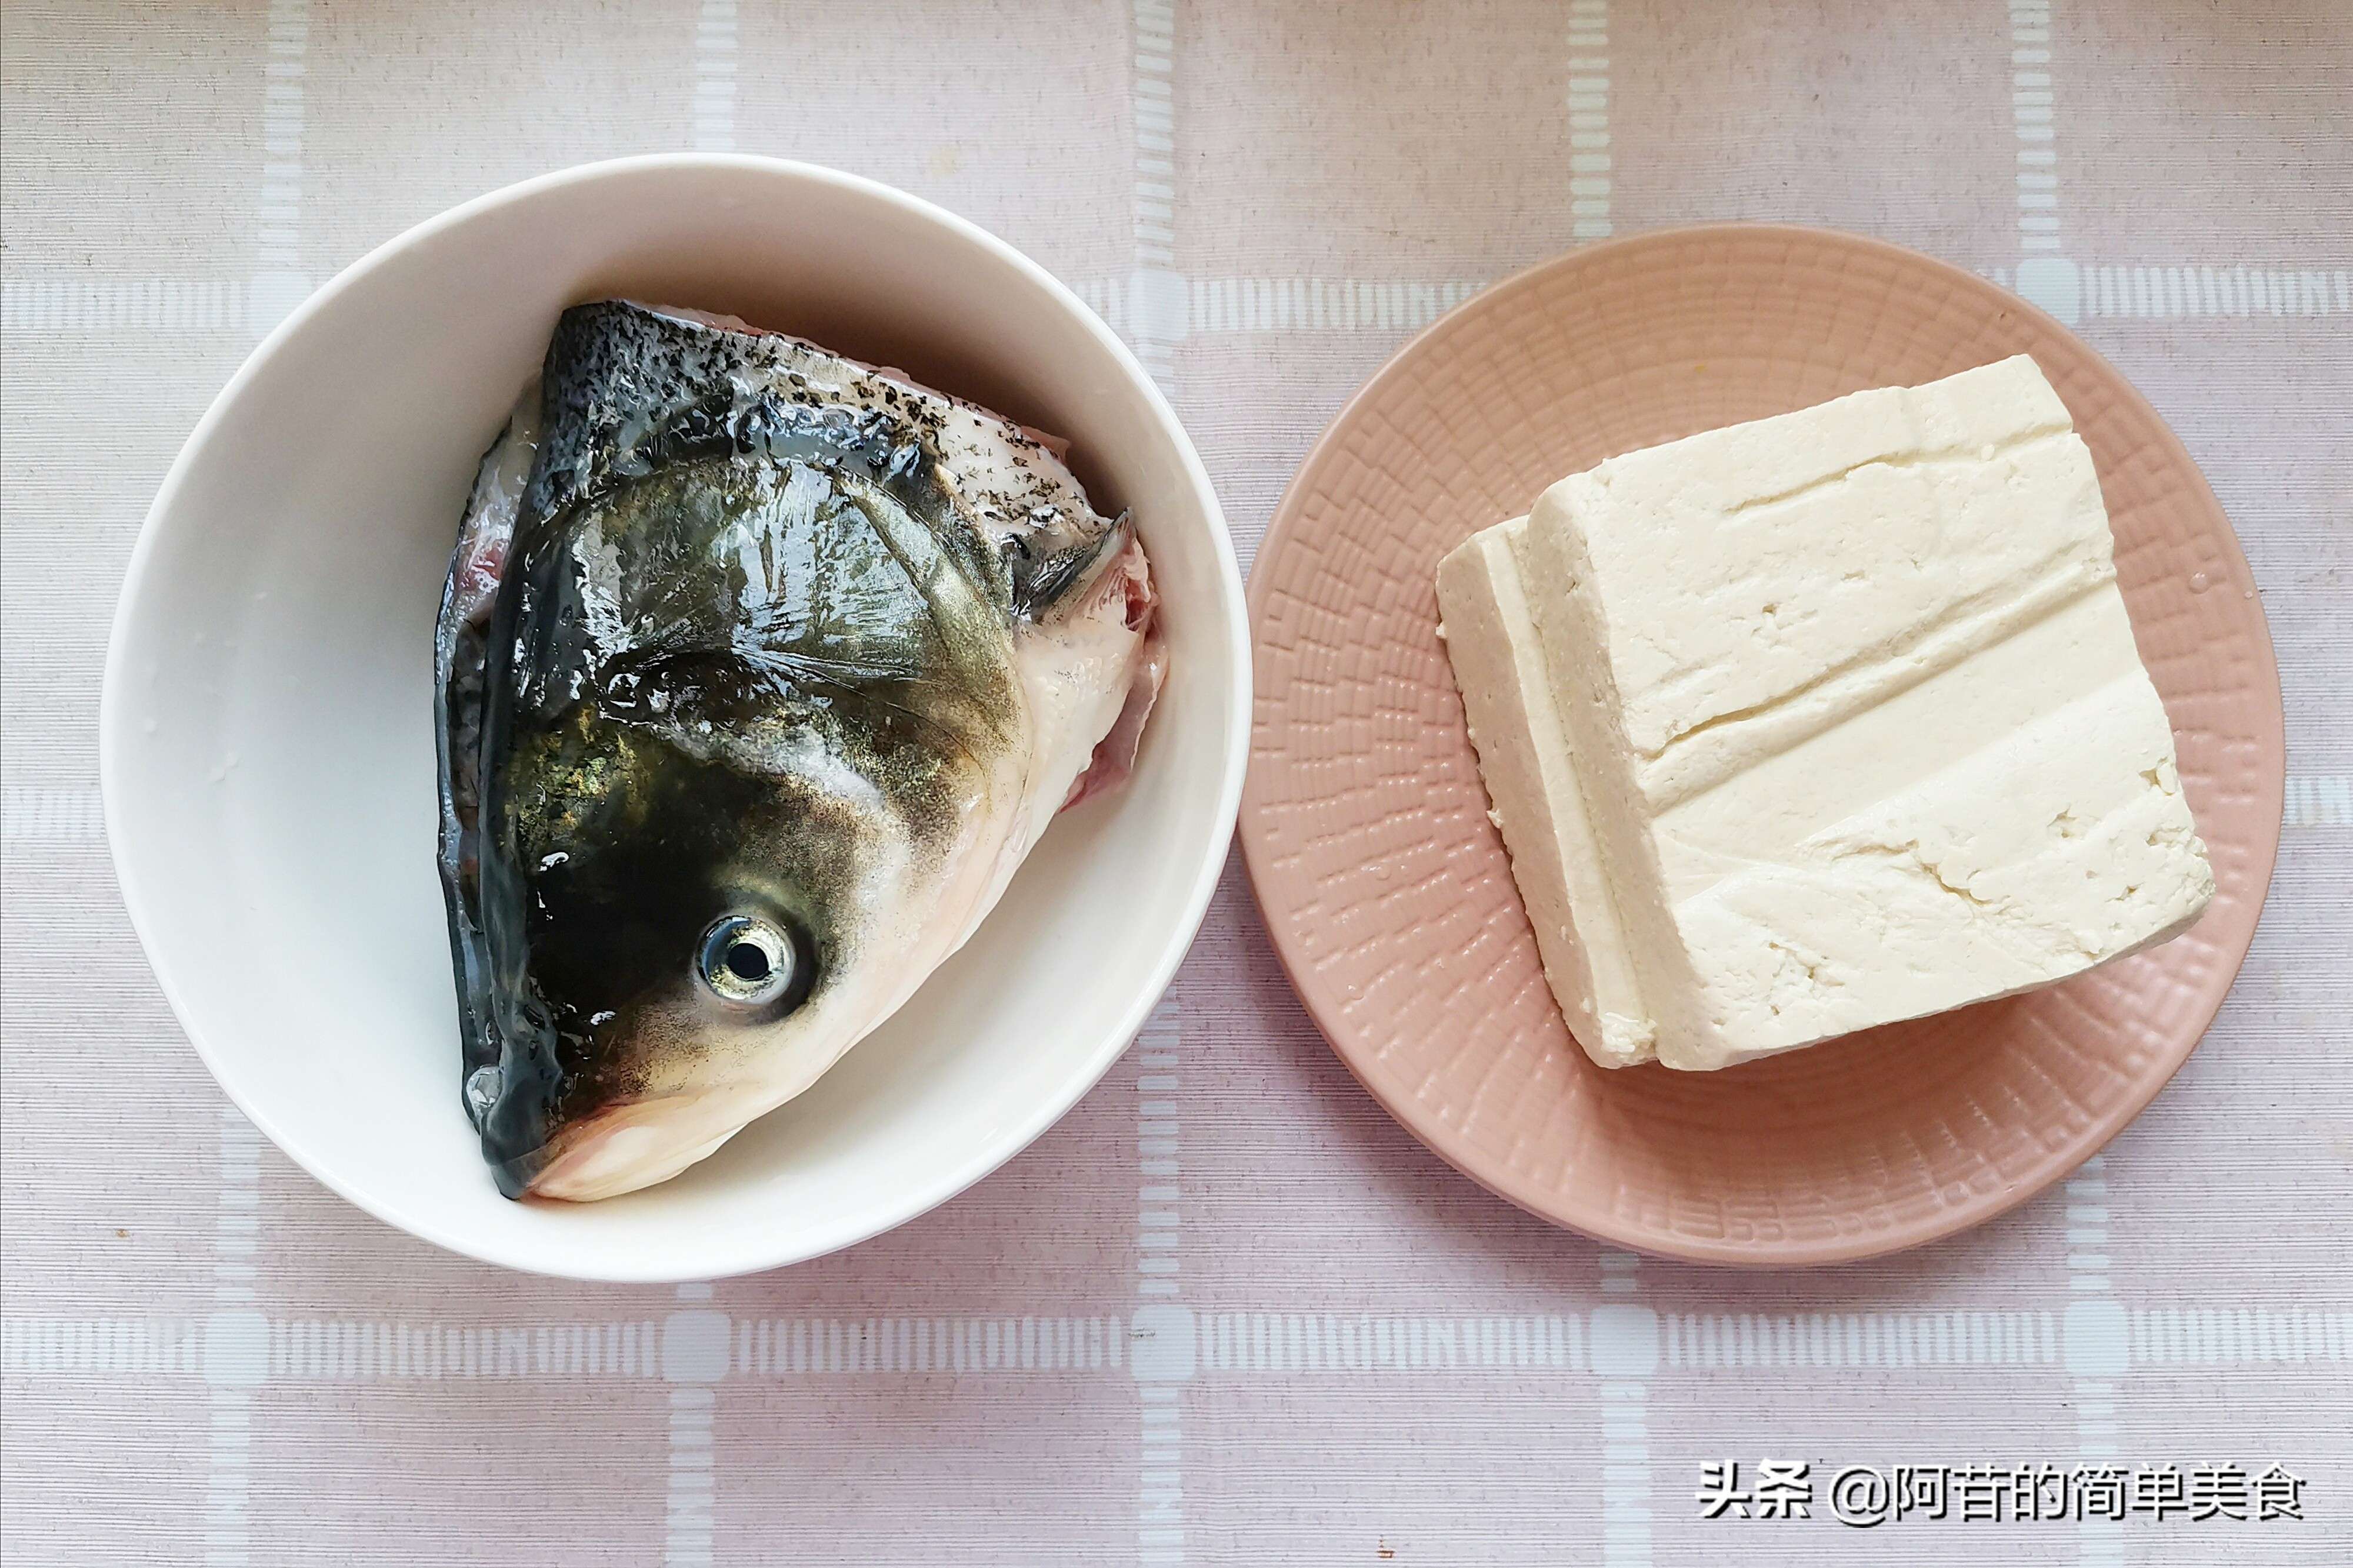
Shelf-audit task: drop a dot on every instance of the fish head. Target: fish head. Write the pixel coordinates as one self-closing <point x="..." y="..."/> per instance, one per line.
<point x="759" y="678"/>
<point x="733" y="757"/>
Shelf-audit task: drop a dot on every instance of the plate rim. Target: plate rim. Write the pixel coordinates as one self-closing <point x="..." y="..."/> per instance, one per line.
<point x="1951" y="1218"/>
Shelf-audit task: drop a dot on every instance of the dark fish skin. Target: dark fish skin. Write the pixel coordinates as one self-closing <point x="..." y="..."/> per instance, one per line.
<point x="748" y="642"/>
<point x="461" y="659"/>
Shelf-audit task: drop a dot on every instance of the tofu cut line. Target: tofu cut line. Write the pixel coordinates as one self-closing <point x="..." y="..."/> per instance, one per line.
<point x="1897" y="461"/>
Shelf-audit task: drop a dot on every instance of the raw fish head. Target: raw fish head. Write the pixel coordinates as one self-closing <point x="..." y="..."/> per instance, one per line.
<point x="752" y="711"/>
<point x="763" y="726"/>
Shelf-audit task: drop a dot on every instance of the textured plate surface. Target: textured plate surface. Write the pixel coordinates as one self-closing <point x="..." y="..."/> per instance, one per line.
<point x="1389" y="897"/>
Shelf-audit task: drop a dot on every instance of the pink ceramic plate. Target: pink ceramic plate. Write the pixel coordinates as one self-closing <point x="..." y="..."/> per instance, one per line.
<point x="1389" y="895"/>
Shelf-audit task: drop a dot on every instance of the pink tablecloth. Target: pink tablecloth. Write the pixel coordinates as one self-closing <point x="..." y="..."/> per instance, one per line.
<point x="1226" y="1312"/>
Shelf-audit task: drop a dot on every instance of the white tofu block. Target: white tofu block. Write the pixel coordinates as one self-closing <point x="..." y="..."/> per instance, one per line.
<point x="1820" y="723"/>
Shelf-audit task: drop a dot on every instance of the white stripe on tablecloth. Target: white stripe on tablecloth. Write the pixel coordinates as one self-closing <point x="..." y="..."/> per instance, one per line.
<point x="2094" y="1334"/>
<point x="1165" y="1340"/>
<point x="73" y="303"/>
<point x="279" y="282"/>
<point x="1859" y="1339"/>
<point x="2044" y="276"/>
<point x="1321" y="304"/>
<point x="1154" y="301"/>
<point x="1362" y="1343"/>
<point x="695" y="1342"/>
<point x="33" y="816"/>
<point x="1625" y="1472"/>
<point x="2031" y="112"/>
<point x="2166" y="291"/>
<point x="236" y="1357"/>
<point x="310" y="1350"/>
<point x="1239" y="1344"/>
<point x="2319" y="800"/>
<point x="2183" y="290"/>
<point x="1153" y="309"/>
<point x="715" y="78"/>
<point x="2243" y="1336"/>
<point x="1158" y="1168"/>
<point x="691" y="1486"/>
<point x="1160" y="1483"/>
<point x="1589" y="157"/>
<point x="1622" y="1341"/>
<point x="808" y="1347"/>
<point x="101" y="1347"/>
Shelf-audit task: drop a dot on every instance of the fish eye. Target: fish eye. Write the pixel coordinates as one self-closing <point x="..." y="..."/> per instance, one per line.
<point x="749" y="961"/>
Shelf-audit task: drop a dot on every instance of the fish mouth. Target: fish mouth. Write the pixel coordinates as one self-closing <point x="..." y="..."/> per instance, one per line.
<point x="631" y="1144"/>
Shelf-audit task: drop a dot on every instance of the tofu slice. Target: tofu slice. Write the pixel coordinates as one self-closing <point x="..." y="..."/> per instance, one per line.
<point x="1538" y="800"/>
<point x="1853" y="710"/>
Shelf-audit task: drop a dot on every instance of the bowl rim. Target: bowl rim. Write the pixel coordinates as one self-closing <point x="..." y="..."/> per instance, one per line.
<point x="1494" y="1174"/>
<point x="735" y="1253"/>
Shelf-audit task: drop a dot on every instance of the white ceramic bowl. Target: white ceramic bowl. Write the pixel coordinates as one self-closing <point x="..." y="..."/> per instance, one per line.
<point x="267" y="743"/>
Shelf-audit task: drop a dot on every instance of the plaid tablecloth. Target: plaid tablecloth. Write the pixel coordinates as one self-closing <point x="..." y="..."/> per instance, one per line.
<point x="1226" y="1312"/>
